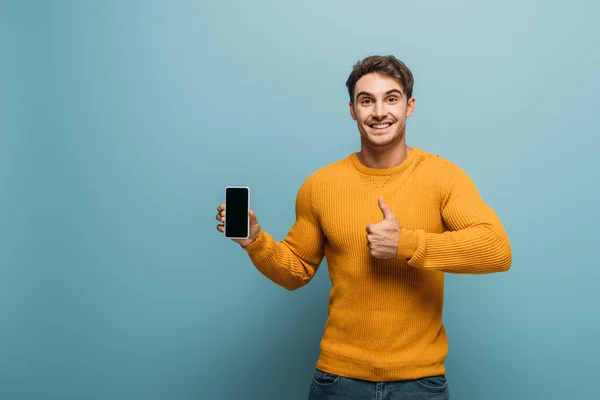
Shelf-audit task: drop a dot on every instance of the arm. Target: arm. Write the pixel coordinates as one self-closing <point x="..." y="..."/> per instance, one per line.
<point x="293" y="262"/>
<point x="475" y="242"/>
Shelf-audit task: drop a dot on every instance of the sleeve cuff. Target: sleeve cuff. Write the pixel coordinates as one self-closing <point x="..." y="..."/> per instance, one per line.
<point x="255" y="248"/>
<point x="407" y="244"/>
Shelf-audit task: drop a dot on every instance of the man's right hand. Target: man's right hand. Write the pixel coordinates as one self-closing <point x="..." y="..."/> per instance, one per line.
<point x="254" y="226"/>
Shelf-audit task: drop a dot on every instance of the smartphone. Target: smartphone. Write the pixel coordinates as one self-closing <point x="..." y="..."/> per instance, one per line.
<point x="237" y="207"/>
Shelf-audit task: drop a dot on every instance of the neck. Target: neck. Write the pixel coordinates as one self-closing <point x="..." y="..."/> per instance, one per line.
<point x="384" y="158"/>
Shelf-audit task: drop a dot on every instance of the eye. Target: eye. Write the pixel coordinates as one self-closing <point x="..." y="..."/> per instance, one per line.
<point x="393" y="99"/>
<point x="365" y="102"/>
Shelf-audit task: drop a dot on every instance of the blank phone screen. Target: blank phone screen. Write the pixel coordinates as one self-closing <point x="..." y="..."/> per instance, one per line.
<point x="236" y="212"/>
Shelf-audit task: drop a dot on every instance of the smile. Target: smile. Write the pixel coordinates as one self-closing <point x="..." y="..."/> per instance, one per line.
<point x="380" y="128"/>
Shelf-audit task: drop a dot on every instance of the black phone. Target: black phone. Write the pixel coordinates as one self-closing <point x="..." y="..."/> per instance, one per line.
<point x="237" y="207"/>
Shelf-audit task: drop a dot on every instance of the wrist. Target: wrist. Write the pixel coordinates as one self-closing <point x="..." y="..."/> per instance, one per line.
<point x="246" y="242"/>
<point x="250" y="242"/>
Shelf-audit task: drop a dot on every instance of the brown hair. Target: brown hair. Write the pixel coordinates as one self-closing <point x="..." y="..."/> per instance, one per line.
<point x="384" y="65"/>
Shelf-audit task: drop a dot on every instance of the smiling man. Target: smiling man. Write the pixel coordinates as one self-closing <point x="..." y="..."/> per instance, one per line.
<point x="391" y="221"/>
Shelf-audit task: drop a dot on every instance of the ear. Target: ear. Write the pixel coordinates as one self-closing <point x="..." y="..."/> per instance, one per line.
<point x="410" y="107"/>
<point x="352" y="113"/>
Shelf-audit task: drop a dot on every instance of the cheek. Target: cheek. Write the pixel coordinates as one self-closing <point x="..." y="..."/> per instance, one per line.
<point x="400" y="117"/>
<point x="399" y="112"/>
<point x="362" y="115"/>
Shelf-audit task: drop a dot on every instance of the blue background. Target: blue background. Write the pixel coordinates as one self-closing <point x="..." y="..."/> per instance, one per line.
<point x="121" y="123"/>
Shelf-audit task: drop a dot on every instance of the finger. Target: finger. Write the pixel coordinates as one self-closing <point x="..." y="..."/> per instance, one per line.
<point x="221" y="208"/>
<point x="220" y="228"/>
<point x="370" y="228"/>
<point x="387" y="213"/>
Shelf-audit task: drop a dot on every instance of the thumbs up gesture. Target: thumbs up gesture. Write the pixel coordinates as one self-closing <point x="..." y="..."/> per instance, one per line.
<point x="382" y="237"/>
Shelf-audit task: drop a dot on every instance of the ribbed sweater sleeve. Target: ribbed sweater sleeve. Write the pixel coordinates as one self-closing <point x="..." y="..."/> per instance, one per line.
<point x="292" y="262"/>
<point x="475" y="242"/>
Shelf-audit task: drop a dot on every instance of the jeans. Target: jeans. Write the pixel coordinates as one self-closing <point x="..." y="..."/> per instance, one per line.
<point x="326" y="386"/>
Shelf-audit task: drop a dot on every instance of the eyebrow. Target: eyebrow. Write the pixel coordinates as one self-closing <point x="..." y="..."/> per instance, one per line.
<point x="388" y="92"/>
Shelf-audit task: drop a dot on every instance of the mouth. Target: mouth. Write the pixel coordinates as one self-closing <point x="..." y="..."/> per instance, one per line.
<point x="381" y="127"/>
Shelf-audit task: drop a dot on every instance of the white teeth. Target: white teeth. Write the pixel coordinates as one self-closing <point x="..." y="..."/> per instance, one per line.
<point x="381" y="126"/>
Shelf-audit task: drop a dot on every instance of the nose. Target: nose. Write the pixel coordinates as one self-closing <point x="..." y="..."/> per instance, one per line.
<point x="379" y="110"/>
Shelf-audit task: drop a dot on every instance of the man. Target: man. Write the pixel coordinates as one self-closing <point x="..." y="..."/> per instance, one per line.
<point x="391" y="220"/>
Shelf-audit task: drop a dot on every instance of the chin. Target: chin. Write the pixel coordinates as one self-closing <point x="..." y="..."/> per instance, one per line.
<point x="386" y="139"/>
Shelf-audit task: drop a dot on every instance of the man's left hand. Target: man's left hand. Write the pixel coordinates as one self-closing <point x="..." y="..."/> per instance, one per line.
<point x="382" y="237"/>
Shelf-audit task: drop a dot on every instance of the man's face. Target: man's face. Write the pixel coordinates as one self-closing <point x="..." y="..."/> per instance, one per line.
<point x="380" y="110"/>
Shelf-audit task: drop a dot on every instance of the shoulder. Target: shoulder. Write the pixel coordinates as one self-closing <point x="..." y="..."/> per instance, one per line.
<point x="449" y="176"/>
<point x="334" y="168"/>
<point x="440" y="166"/>
<point x="324" y="179"/>
<point x="329" y="172"/>
<point x="315" y="183"/>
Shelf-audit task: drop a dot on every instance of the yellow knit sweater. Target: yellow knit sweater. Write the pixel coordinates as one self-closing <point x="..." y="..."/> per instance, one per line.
<point x="385" y="315"/>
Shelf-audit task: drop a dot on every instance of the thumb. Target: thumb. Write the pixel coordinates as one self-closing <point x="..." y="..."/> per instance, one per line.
<point x="253" y="219"/>
<point x="387" y="213"/>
